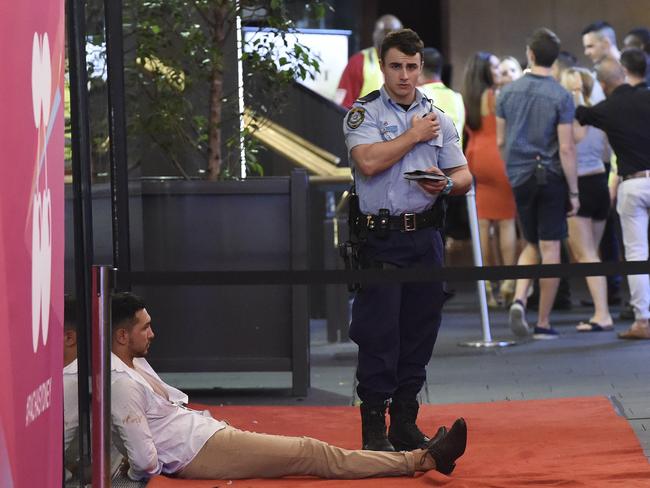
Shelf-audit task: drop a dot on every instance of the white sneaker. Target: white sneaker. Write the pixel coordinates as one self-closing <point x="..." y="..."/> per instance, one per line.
<point x="517" y="319"/>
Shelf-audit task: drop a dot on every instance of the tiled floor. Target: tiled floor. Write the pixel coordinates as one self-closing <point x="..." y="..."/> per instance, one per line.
<point x="577" y="364"/>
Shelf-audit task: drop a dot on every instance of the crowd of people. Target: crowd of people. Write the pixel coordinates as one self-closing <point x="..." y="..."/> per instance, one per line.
<point x="527" y="168"/>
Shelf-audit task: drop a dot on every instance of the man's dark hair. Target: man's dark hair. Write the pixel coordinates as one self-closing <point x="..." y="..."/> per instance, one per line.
<point x="404" y="40"/>
<point x="433" y="62"/>
<point x="635" y="62"/>
<point x="566" y="60"/>
<point x="124" y="306"/>
<point x="545" y="45"/>
<point x="643" y="35"/>
<point x="603" y="29"/>
<point x="69" y="313"/>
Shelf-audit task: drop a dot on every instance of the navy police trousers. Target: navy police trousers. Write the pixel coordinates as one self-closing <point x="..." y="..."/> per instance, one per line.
<point x="396" y="325"/>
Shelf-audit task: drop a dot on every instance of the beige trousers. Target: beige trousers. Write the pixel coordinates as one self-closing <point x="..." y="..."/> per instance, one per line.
<point x="233" y="454"/>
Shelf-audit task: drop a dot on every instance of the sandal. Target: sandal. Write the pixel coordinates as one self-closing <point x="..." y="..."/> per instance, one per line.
<point x="590" y="326"/>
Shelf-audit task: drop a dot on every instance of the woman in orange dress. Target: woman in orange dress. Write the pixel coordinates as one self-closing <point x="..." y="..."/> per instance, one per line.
<point x="494" y="198"/>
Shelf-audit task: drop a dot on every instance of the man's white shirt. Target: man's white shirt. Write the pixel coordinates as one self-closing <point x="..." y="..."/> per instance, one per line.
<point x="70" y="415"/>
<point x="70" y="403"/>
<point x="156" y="435"/>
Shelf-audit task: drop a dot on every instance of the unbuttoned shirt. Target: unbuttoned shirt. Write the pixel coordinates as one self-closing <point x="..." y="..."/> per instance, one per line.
<point x="70" y="403"/>
<point x="382" y="120"/>
<point x="155" y="431"/>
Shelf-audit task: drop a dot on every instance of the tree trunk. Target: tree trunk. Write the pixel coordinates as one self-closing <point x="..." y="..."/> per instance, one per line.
<point x="220" y="12"/>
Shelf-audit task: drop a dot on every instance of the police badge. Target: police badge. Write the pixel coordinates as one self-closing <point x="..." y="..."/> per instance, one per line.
<point x="355" y="117"/>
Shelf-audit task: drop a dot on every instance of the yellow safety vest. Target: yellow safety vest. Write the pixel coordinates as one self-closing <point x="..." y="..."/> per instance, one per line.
<point x="449" y="101"/>
<point x="373" y="78"/>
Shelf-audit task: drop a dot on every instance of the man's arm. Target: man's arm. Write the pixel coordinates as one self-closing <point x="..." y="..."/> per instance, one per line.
<point x="128" y="412"/>
<point x="568" y="161"/>
<point x="372" y="159"/>
<point x="501" y="137"/>
<point x="592" y="115"/>
<point x="462" y="179"/>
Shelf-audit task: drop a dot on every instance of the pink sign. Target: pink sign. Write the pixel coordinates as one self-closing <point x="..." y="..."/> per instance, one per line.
<point x="31" y="243"/>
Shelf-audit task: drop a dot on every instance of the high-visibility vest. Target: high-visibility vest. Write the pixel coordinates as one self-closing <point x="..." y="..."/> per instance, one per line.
<point x="449" y="101"/>
<point x="373" y="78"/>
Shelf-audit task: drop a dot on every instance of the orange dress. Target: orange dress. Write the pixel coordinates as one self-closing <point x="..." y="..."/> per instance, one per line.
<point x="494" y="197"/>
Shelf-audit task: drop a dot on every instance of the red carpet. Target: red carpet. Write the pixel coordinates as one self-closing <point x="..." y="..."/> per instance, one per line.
<point x="579" y="442"/>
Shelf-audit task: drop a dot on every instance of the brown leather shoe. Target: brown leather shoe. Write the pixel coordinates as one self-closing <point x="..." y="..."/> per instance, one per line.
<point x="636" y="332"/>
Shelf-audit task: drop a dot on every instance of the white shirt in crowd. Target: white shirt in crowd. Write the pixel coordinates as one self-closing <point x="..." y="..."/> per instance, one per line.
<point x="156" y="434"/>
<point x="70" y="403"/>
<point x="70" y="415"/>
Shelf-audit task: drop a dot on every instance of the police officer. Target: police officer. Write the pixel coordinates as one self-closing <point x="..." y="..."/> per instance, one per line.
<point x="389" y="132"/>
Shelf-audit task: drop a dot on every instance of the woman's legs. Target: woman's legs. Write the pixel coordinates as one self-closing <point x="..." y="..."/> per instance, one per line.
<point x="484" y="235"/>
<point x="508" y="247"/>
<point x="235" y="454"/>
<point x="582" y="233"/>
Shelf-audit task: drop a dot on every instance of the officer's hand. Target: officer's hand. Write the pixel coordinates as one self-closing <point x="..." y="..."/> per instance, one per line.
<point x="425" y="127"/>
<point x="431" y="186"/>
<point x="575" y="206"/>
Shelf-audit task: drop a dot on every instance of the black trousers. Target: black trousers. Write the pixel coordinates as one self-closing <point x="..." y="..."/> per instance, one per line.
<point x="396" y="325"/>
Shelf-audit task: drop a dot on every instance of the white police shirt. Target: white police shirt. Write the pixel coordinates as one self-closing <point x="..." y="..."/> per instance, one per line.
<point x="377" y="118"/>
<point x="156" y="434"/>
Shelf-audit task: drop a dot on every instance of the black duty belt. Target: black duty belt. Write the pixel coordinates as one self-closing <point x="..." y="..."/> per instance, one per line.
<point x="407" y="222"/>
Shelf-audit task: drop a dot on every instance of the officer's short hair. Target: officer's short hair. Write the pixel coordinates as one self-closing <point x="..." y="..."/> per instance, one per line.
<point x="601" y="29"/>
<point x="545" y="45"/>
<point x="634" y="61"/>
<point x="124" y="306"/>
<point x="69" y="313"/>
<point x="433" y="61"/>
<point x="405" y="40"/>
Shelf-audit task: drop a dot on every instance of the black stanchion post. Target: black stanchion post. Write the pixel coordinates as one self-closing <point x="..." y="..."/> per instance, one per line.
<point x="82" y="211"/>
<point x="299" y="295"/>
<point x="101" y="353"/>
<point x="117" y="133"/>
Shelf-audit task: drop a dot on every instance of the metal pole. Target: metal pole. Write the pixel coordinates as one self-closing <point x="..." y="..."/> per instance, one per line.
<point x="82" y="211"/>
<point x="240" y="90"/>
<point x="101" y="354"/>
<point x="478" y="261"/>
<point x="117" y="133"/>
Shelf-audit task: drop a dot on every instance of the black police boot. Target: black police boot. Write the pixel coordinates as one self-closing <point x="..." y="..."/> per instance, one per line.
<point x="404" y="433"/>
<point x="373" y="427"/>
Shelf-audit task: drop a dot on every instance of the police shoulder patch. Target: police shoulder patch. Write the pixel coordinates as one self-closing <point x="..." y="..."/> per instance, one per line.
<point x="355" y="117"/>
<point x="373" y="95"/>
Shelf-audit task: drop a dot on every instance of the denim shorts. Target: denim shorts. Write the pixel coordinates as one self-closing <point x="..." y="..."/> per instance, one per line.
<point x="542" y="209"/>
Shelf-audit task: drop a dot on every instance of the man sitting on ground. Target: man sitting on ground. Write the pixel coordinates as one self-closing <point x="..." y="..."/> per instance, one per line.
<point x="158" y="434"/>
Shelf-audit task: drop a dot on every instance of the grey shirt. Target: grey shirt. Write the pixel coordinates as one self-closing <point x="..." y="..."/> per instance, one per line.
<point x="533" y="107"/>
<point x="591" y="151"/>
<point x="381" y="120"/>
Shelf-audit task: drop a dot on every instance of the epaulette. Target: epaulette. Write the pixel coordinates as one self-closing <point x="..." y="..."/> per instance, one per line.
<point x="373" y="95"/>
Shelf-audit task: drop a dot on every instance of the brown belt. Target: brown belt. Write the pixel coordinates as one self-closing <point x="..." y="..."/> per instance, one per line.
<point x="639" y="174"/>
